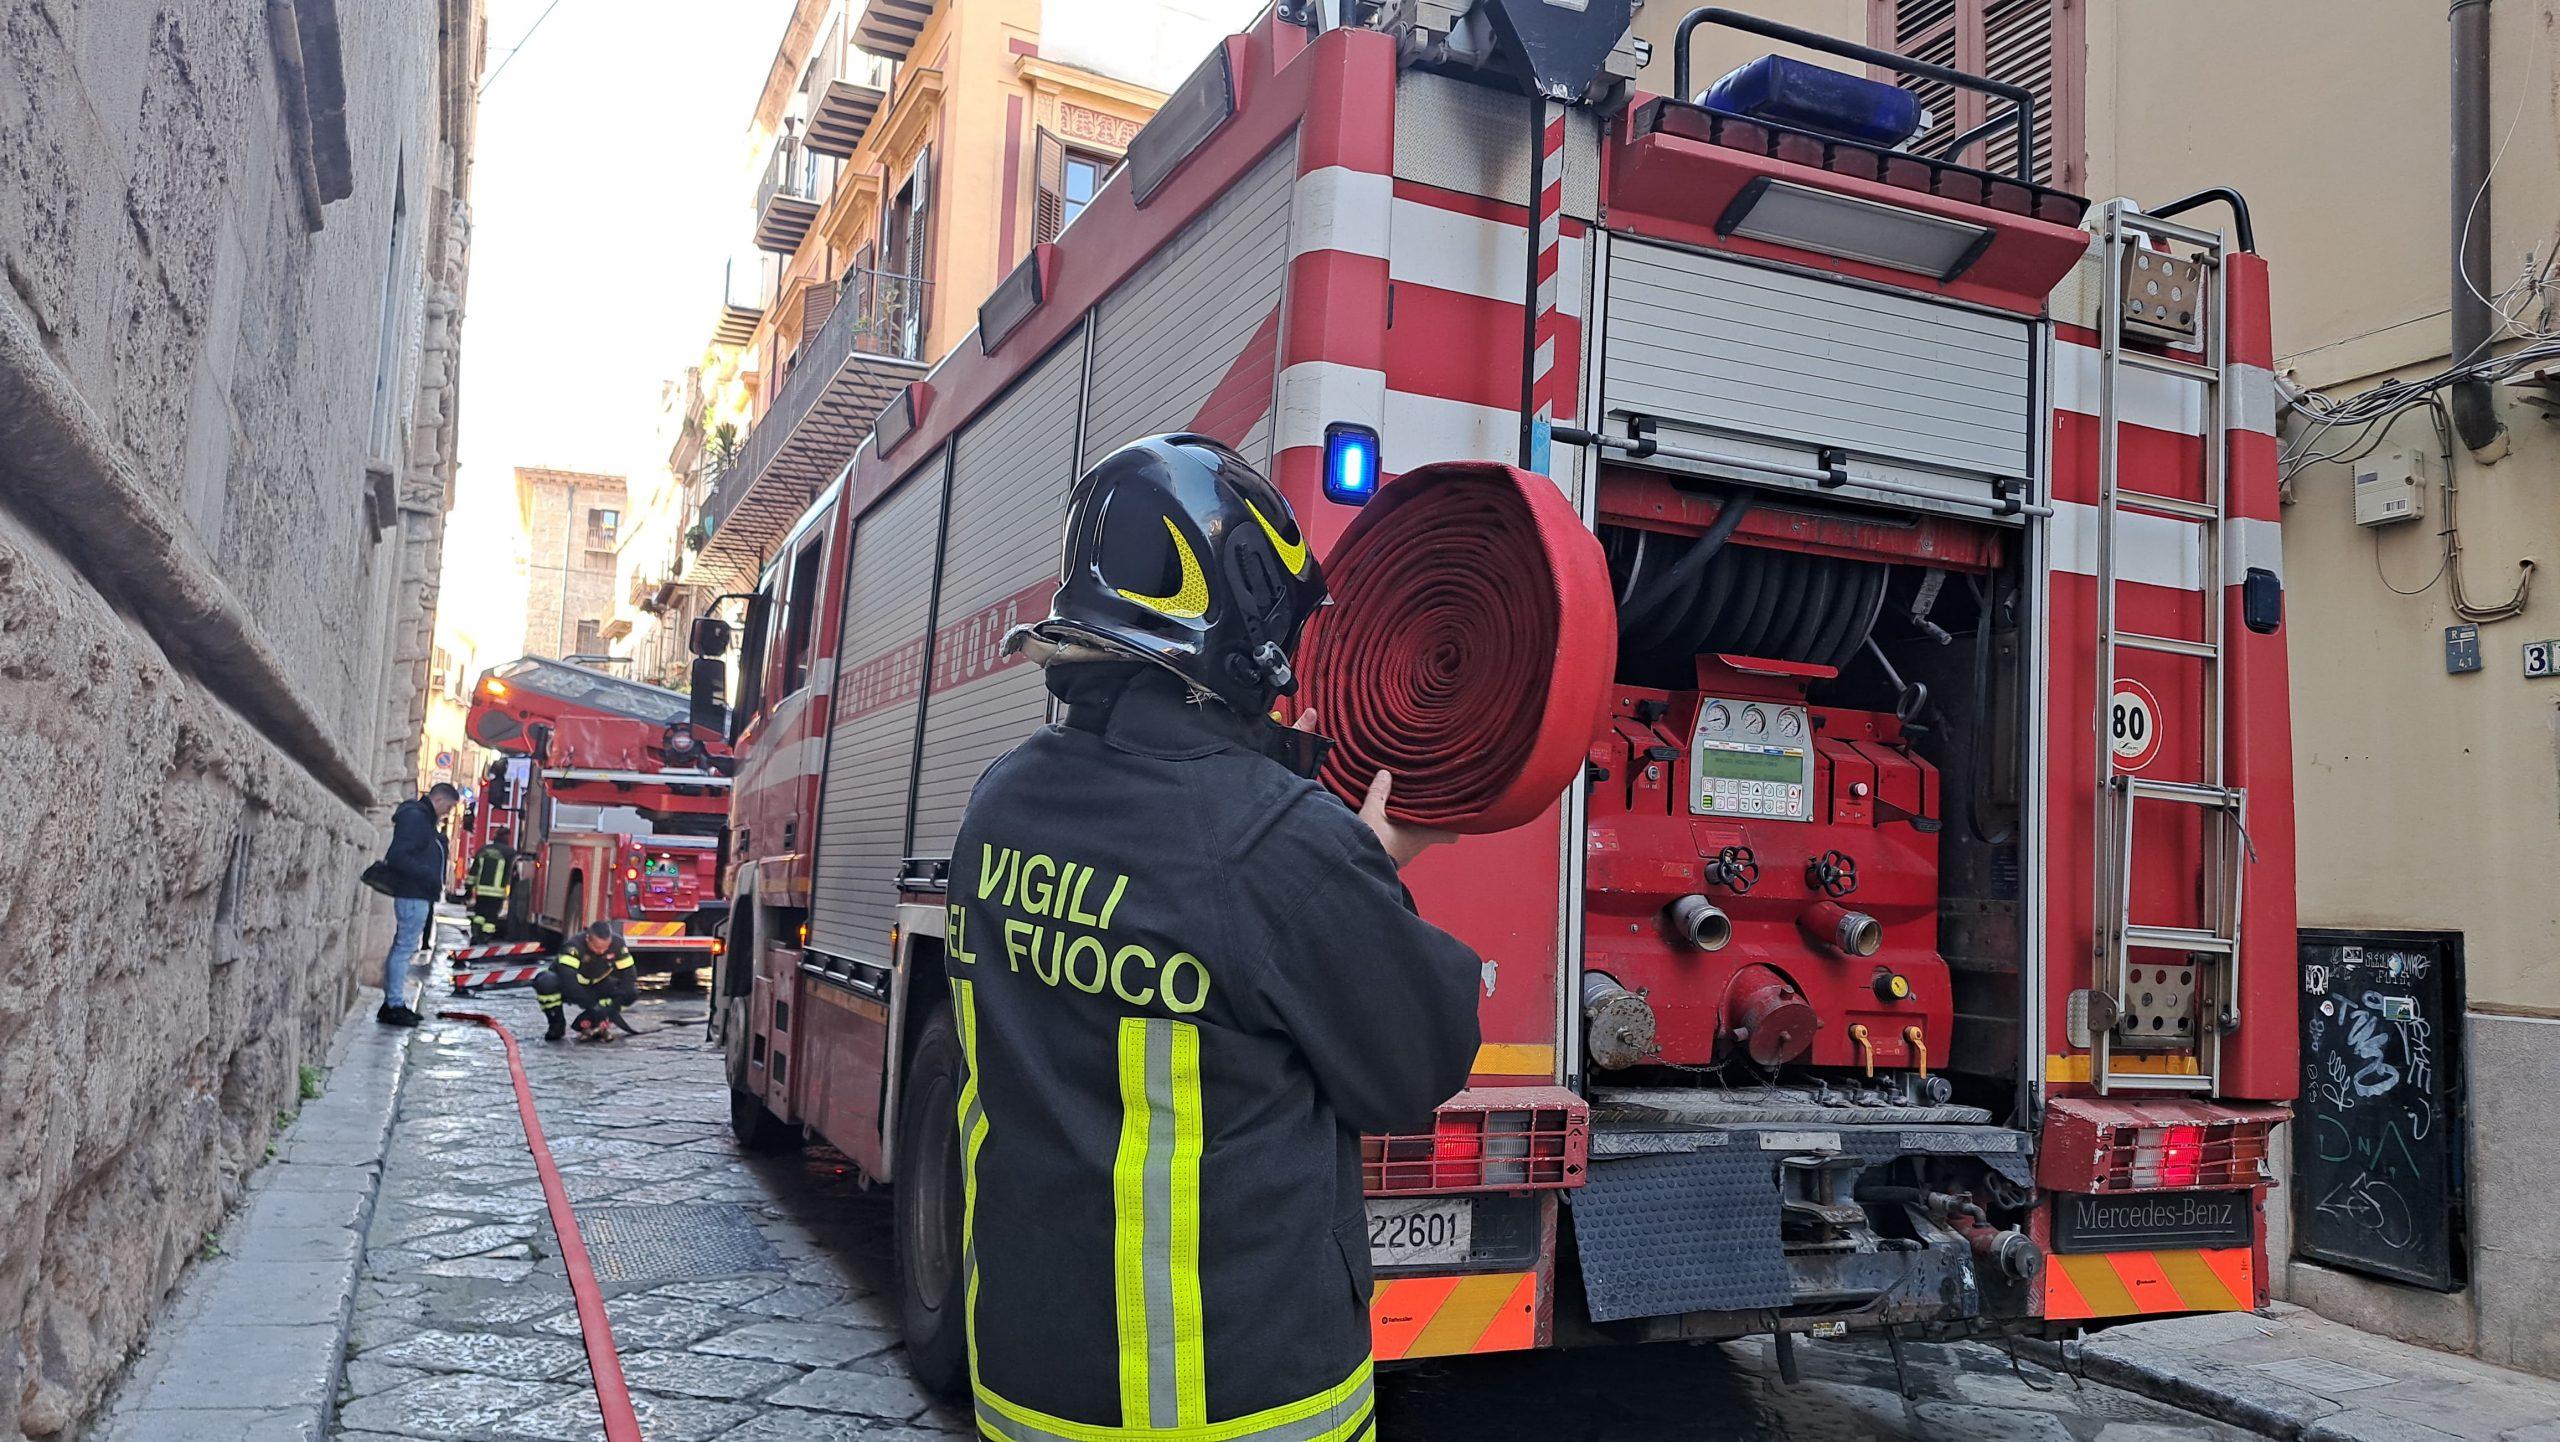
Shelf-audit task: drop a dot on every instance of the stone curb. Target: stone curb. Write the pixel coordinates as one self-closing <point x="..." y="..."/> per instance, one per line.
<point x="254" y="1345"/>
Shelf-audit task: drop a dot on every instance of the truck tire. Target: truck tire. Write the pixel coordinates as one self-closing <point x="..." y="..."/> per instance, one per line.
<point x="757" y="1128"/>
<point x="932" y="1305"/>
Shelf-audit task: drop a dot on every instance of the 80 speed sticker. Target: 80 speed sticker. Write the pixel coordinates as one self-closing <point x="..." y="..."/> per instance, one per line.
<point x="2133" y="725"/>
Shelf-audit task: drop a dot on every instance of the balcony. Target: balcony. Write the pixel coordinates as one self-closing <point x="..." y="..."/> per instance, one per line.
<point x="871" y="346"/>
<point x="741" y="305"/>
<point x="786" y="199"/>
<point x="847" y="87"/>
<point x="890" y="27"/>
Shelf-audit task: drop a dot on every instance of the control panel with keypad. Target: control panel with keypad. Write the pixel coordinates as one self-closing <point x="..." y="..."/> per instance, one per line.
<point x="1751" y="759"/>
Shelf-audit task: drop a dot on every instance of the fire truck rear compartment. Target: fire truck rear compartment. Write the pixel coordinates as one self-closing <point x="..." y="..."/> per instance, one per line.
<point x="1799" y="991"/>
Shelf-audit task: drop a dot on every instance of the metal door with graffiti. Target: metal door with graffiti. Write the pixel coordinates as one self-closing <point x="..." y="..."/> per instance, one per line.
<point x="2378" y="1164"/>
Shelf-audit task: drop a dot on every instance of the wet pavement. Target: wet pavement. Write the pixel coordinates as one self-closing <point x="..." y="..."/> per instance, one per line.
<point x="753" y="1298"/>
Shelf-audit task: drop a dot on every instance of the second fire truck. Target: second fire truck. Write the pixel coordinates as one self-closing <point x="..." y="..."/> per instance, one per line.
<point x="613" y="804"/>
<point x="1888" y="966"/>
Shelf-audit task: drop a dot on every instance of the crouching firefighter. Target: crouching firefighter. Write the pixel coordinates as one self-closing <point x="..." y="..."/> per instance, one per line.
<point x="598" y="976"/>
<point x="493" y="869"/>
<point x="1184" y="979"/>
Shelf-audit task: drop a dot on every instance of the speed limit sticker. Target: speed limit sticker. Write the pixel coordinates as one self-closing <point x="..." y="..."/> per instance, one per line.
<point x="2133" y="725"/>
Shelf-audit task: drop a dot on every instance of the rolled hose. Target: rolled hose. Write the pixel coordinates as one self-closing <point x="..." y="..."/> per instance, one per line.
<point x="1469" y="649"/>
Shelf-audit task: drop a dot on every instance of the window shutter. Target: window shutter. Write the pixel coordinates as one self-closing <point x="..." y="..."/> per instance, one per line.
<point x="816" y="304"/>
<point x="1049" y="188"/>
<point x="2035" y="44"/>
<point x="920" y="220"/>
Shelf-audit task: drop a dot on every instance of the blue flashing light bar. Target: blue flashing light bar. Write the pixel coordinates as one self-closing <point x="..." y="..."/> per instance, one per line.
<point x="1810" y="97"/>
<point x="1350" y="463"/>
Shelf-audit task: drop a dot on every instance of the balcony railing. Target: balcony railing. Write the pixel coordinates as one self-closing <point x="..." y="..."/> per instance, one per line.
<point x="741" y="304"/>
<point x="786" y="199"/>
<point x="847" y="87"/>
<point x="871" y="345"/>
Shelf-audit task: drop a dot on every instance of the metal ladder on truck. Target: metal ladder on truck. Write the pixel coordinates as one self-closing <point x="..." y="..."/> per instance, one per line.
<point x="2210" y="952"/>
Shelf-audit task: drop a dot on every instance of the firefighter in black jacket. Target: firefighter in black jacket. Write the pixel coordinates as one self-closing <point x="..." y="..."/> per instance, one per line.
<point x="493" y="869"/>
<point x="1185" y="979"/>
<point x="598" y="975"/>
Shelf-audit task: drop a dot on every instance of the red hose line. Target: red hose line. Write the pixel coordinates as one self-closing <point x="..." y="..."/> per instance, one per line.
<point x="604" y="1364"/>
<point x="1469" y="649"/>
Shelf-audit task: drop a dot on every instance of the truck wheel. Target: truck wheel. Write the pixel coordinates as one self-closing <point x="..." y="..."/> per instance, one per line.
<point x="757" y="1129"/>
<point x="930" y="1292"/>
<point x="685" y="979"/>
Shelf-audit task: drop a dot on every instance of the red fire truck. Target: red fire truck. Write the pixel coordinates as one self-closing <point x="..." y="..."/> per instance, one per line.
<point x="615" y="805"/>
<point x="1888" y="966"/>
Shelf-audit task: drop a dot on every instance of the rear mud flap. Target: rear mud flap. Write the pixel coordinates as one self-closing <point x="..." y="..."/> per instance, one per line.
<point x="1689" y="1231"/>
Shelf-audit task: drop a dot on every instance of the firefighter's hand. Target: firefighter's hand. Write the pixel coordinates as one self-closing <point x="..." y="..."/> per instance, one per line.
<point x="1403" y="840"/>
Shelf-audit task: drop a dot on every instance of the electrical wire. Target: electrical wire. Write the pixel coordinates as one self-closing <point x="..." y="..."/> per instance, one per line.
<point x="518" y="49"/>
<point x="2541" y="48"/>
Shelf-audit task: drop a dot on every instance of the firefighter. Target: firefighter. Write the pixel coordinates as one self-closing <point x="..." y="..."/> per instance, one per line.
<point x="493" y="869"/>
<point x="1185" y="978"/>
<point x="598" y="975"/>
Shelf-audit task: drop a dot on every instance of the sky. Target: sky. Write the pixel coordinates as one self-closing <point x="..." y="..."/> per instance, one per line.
<point x="612" y="178"/>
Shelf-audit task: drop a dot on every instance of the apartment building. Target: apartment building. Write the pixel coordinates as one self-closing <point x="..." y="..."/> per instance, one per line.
<point x="574" y="521"/>
<point x="910" y="152"/>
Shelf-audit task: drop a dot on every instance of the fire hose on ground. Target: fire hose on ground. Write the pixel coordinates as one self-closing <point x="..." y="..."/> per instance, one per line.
<point x="604" y="1363"/>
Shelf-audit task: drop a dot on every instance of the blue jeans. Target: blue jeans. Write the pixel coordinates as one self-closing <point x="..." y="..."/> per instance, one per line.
<point x="409" y="916"/>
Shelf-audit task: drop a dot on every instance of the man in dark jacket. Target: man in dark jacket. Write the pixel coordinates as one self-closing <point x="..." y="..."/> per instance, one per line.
<point x="417" y="863"/>
<point x="1185" y="979"/>
<point x="598" y="975"/>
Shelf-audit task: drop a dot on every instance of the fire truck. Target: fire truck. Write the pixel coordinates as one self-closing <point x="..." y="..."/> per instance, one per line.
<point x="614" y="804"/>
<point x="1887" y="967"/>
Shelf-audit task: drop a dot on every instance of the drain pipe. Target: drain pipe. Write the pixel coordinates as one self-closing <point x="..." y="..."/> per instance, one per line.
<point x="2473" y="417"/>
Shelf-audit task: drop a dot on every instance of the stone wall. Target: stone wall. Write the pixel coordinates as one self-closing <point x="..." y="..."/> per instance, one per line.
<point x="225" y="229"/>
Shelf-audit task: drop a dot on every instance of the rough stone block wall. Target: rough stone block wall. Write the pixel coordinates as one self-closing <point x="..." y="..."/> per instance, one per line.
<point x="212" y="646"/>
<point x="154" y="1009"/>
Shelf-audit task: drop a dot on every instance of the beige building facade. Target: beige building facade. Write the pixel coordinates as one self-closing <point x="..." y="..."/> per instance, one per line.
<point x="2428" y="800"/>
<point x="573" y="521"/>
<point x="236" y="238"/>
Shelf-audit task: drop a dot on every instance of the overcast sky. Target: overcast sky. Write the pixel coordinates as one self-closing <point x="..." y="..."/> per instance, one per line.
<point x="612" y="178"/>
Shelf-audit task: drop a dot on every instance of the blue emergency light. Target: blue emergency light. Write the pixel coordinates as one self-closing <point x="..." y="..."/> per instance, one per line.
<point x="1350" y="463"/>
<point x="1826" y="102"/>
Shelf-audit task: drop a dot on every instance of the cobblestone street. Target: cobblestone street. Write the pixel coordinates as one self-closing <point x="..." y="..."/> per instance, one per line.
<point x="752" y="1297"/>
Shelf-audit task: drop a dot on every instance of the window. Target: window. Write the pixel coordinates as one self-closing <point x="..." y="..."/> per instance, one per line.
<point x="390" y="347"/>
<point x="603" y="524"/>
<point x="2036" y="44"/>
<point x="1063" y="182"/>
<point x="758" y="628"/>
<point x="1084" y="177"/>
<point x="800" y="617"/>
<point x="590" y="638"/>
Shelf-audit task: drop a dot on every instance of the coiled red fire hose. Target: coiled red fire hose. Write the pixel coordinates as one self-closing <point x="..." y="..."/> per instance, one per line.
<point x="1469" y="648"/>
<point x="604" y="1363"/>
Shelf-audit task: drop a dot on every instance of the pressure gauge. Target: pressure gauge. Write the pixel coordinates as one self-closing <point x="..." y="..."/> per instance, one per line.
<point x="1718" y="717"/>
<point x="1790" y="723"/>
<point x="1754" y="721"/>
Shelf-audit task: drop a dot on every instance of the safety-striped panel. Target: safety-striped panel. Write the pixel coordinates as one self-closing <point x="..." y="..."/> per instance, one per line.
<point x="1171" y="333"/>
<point x="1012" y="470"/>
<point x="496" y="977"/>
<point x="1448" y="1316"/>
<point x="2127" y="1284"/>
<point x="862" y="817"/>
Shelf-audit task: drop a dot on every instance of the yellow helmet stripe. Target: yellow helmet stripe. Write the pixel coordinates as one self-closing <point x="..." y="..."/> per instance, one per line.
<point x="1191" y="600"/>
<point x="1293" y="557"/>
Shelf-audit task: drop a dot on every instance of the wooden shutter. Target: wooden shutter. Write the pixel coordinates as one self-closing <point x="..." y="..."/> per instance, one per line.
<point x="816" y="304"/>
<point x="1049" y="188"/>
<point x="2036" y="44"/>
<point x="920" y="219"/>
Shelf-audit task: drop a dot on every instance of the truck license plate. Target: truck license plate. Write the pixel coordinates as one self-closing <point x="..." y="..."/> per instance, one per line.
<point x="1420" y="1231"/>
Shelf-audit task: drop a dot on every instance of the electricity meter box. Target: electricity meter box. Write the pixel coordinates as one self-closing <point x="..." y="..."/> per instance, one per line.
<point x="2391" y="486"/>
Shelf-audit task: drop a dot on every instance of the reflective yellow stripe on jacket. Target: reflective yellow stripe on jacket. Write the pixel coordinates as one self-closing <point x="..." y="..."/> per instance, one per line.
<point x="1339" y="1414"/>
<point x="973" y="1134"/>
<point x="1155" y="1242"/>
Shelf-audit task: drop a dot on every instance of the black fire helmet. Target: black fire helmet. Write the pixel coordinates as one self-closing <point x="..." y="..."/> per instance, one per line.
<point x="1178" y="551"/>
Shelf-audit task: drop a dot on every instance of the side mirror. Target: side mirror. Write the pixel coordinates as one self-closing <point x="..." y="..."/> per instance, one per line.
<point x="712" y="636"/>
<point x="710" y="712"/>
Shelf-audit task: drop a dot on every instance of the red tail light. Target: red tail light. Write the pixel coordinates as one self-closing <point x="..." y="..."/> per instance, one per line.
<point x="2181" y="1156"/>
<point x="1486" y="1139"/>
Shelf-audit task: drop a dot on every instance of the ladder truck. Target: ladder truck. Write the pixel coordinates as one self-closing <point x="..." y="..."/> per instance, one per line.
<point x="613" y="803"/>
<point x="1888" y="966"/>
